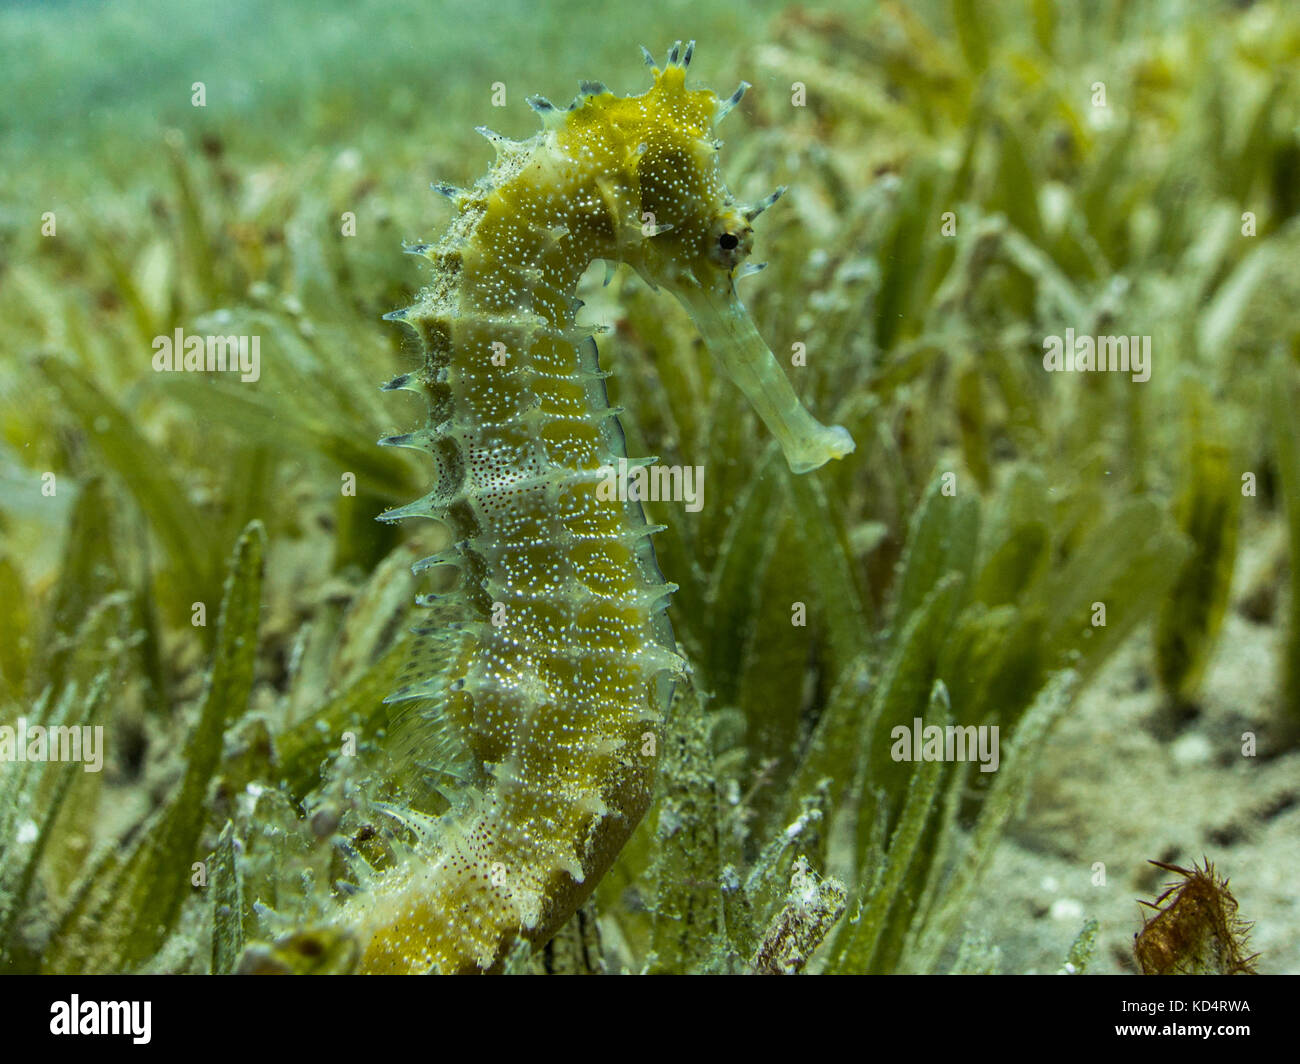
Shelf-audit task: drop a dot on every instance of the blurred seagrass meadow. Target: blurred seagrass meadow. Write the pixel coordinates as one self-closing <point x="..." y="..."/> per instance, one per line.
<point x="966" y="179"/>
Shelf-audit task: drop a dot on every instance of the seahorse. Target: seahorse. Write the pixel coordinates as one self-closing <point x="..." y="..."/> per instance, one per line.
<point x="551" y="664"/>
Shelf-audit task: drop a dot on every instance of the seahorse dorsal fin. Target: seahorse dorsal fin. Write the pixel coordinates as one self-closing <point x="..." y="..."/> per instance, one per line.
<point x="425" y="745"/>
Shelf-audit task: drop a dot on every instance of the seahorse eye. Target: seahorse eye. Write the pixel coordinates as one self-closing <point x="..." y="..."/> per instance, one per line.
<point x="728" y="239"/>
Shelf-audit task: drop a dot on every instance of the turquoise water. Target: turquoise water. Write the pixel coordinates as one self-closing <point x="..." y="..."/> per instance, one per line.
<point x="78" y="75"/>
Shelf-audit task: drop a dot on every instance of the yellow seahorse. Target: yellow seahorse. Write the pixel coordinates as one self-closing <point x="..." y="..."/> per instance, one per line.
<point x="554" y="658"/>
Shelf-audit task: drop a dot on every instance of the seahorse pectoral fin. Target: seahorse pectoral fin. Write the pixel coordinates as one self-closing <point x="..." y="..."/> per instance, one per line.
<point x="730" y="334"/>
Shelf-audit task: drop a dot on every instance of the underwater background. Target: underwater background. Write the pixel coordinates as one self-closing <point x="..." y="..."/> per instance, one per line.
<point x="965" y="180"/>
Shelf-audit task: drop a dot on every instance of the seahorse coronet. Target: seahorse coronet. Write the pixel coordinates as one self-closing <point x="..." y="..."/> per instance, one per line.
<point x="549" y="666"/>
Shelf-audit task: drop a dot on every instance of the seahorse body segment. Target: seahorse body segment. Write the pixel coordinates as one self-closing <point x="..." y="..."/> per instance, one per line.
<point x="557" y="659"/>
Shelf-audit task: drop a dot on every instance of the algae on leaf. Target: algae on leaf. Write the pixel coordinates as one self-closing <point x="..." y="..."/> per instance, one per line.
<point x="1207" y="510"/>
<point x="1286" y="436"/>
<point x="130" y="900"/>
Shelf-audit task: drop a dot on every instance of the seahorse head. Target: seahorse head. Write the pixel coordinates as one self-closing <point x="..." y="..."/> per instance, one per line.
<point x="645" y="168"/>
<point x="675" y="221"/>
